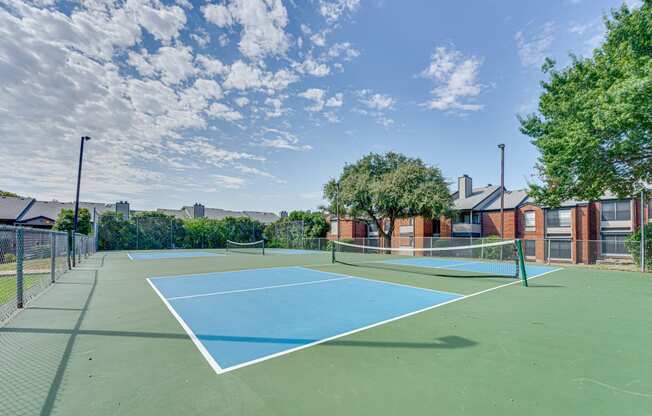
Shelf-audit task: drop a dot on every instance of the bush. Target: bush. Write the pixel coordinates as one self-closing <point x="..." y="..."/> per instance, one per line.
<point x="633" y="244"/>
<point x="9" y="258"/>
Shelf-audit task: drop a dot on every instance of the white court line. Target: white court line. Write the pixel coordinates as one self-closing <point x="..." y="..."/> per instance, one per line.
<point x="209" y="358"/>
<point x="219" y="370"/>
<point x="312" y="282"/>
<point x="129" y="255"/>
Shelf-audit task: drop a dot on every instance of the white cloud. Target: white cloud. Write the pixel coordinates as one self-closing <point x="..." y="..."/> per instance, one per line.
<point x="456" y="79"/>
<point x="276" y="109"/>
<point x="332" y="10"/>
<point x="224" y="112"/>
<point x="533" y="46"/>
<point x="63" y="68"/>
<point x="201" y="37"/>
<point x="316" y="95"/>
<point x="312" y="67"/>
<point x="344" y="49"/>
<point x="375" y="101"/>
<point x="212" y="66"/>
<point x="319" y="39"/>
<point x="243" y="76"/>
<point x="335" y="101"/>
<point x="228" y="182"/>
<point x="263" y="25"/>
<point x="279" y="139"/>
<point x="241" y="101"/>
<point x="162" y="22"/>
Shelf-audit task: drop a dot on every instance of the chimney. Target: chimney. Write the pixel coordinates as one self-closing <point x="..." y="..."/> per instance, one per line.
<point x="464" y="186"/>
<point x="284" y="214"/>
<point x="198" y="210"/>
<point x="122" y="207"/>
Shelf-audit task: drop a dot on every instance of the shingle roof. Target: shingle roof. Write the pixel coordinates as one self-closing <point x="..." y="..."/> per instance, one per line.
<point x="478" y="195"/>
<point x="51" y="209"/>
<point x="512" y="200"/>
<point x="12" y="207"/>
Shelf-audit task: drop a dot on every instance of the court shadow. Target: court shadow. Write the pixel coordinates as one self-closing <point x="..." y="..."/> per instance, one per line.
<point x="426" y="271"/>
<point x="447" y="342"/>
<point x="534" y="286"/>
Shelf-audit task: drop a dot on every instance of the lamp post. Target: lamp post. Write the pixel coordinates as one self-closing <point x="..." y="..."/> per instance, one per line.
<point x="502" y="190"/>
<point x="76" y="219"/>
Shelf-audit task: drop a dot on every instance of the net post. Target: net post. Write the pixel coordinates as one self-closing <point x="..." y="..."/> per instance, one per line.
<point x="332" y="252"/>
<point x="521" y="262"/>
<point x="263" y="247"/>
<point x="20" y="255"/>
<point x="53" y="256"/>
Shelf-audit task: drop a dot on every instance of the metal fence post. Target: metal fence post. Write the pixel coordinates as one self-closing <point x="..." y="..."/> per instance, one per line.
<point x="53" y="256"/>
<point x="643" y="231"/>
<point x="69" y="248"/>
<point x="20" y="256"/>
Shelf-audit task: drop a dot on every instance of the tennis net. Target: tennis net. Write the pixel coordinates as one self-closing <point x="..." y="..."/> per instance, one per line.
<point x="498" y="259"/>
<point x="256" y="247"/>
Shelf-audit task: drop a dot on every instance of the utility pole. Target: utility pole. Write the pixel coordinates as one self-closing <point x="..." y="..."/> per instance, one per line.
<point x="76" y="219"/>
<point x="502" y="190"/>
<point x="337" y="209"/>
<point x="643" y="259"/>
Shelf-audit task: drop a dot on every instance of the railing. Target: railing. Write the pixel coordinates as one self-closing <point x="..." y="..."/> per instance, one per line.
<point x="31" y="260"/>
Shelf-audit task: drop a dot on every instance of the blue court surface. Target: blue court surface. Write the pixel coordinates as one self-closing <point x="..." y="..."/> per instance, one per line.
<point x="243" y="317"/>
<point x="157" y="255"/>
<point x="496" y="268"/>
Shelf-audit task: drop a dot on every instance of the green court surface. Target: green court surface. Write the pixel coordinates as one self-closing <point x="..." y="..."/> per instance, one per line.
<point x="100" y="341"/>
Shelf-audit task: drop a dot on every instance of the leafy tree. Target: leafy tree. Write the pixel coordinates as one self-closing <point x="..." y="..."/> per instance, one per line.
<point x="293" y="230"/>
<point x="633" y="244"/>
<point x="8" y="194"/>
<point x="387" y="187"/>
<point x="594" y="126"/>
<point x="115" y="233"/>
<point x="65" y="221"/>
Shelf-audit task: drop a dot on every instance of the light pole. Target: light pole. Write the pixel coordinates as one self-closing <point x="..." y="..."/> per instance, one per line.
<point x="502" y="190"/>
<point x="74" y="223"/>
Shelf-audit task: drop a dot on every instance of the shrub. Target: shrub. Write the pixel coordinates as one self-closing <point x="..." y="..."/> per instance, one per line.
<point x="633" y="244"/>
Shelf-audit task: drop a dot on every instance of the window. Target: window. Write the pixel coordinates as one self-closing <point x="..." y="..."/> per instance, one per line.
<point x="530" y="222"/>
<point x="560" y="249"/>
<point x="467" y="218"/>
<point x="410" y="221"/>
<point x="405" y="231"/>
<point x="333" y="227"/>
<point x="530" y="248"/>
<point x="614" y="244"/>
<point x="558" y="218"/>
<point x="616" y="211"/>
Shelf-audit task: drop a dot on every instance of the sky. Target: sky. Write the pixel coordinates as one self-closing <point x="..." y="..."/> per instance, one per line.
<point x="255" y="104"/>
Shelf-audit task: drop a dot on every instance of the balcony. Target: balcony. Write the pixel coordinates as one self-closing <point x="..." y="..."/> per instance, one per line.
<point x="464" y="228"/>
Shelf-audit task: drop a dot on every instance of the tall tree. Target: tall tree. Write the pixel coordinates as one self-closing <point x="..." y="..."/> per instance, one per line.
<point x="66" y="218"/>
<point x="594" y="125"/>
<point x="384" y="187"/>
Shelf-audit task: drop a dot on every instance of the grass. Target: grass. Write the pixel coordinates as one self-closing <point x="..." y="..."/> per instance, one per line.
<point x="101" y="342"/>
<point x="37" y="264"/>
<point x="8" y="285"/>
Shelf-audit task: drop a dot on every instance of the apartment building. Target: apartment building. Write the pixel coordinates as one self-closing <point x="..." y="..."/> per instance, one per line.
<point x="575" y="232"/>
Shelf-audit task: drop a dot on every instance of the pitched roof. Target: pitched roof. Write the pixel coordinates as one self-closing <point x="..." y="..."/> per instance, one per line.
<point x="512" y="200"/>
<point x="12" y="207"/>
<point x="478" y="195"/>
<point x="51" y="209"/>
<point x="179" y="214"/>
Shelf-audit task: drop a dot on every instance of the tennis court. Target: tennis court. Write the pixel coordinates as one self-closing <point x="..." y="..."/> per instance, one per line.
<point x="172" y="254"/>
<point x="302" y="335"/>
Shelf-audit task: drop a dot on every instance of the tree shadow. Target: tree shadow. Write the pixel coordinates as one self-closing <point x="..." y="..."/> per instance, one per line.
<point x="447" y="342"/>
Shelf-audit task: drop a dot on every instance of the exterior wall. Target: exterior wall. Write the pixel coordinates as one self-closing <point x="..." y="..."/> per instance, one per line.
<point x="491" y="223"/>
<point x="539" y="229"/>
<point x="350" y="229"/>
<point x="445" y="227"/>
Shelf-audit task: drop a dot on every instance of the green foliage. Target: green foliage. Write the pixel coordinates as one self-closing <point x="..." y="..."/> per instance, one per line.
<point x="155" y="230"/>
<point x="633" y="244"/>
<point x="8" y="194"/>
<point x="65" y="221"/>
<point x="389" y="186"/>
<point x="297" y="230"/>
<point x="9" y="258"/>
<point x="594" y="126"/>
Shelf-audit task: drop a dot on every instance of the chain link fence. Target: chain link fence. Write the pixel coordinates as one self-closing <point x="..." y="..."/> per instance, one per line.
<point x="31" y="260"/>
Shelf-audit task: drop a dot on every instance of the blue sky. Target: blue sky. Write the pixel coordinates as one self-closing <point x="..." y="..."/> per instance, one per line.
<point x="254" y="104"/>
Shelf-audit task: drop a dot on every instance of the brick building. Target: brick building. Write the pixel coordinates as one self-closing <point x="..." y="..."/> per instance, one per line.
<point x="575" y="232"/>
